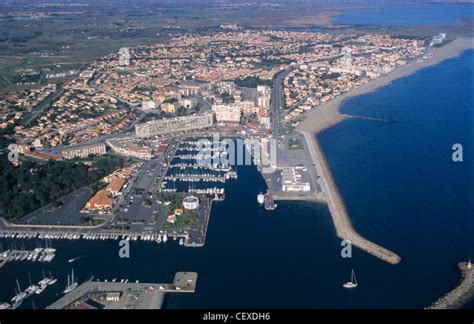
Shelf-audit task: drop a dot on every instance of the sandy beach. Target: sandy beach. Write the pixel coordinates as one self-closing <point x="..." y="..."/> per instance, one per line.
<point x="328" y="115"/>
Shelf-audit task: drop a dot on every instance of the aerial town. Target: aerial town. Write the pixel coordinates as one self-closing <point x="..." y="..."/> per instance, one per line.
<point x="147" y="105"/>
<point x="116" y="146"/>
<point x="194" y="77"/>
<point x="236" y="160"/>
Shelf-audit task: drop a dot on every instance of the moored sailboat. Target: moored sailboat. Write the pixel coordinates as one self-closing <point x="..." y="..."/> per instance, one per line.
<point x="352" y="283"/>
<point x="71" y="284"/>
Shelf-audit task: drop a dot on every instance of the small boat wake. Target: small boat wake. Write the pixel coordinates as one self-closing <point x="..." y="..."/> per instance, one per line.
<point x="75" y="259"/>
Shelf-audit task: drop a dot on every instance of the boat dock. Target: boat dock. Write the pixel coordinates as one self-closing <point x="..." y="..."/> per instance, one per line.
<point x="337" y="208"/>
<point x="269" y="201"/>
<point x="126" y="295"/>
<point x="463" y="292"/>
<point x="36" y="255"/>
<point x="18" y="299"/>
<point x="66" y="233"/>
<point x="198" y="238"/>
<point x="196" y="178"/>
<point x="196" y="166"/>
<point x="191" y="238"/>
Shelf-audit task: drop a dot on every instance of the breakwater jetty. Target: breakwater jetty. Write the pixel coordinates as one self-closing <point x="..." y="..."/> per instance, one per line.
<point x="462" y="293"/>
<point x="340" y="217"/>
<point x="327" y="115"/>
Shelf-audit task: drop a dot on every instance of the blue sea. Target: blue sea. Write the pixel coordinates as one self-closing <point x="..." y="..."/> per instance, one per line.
<point x="407" y="15"/>
<point x="400" y="186"/>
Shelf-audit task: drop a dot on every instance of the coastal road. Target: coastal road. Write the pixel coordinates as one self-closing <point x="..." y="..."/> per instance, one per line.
<point x="277" y="102"/>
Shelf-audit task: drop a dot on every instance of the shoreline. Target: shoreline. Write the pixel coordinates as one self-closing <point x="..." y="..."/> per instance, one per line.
<point x="328" y="115"/>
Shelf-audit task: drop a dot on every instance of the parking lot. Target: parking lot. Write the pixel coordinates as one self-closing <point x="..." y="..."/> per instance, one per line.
<point x="67" y="214"/>
<point x="293" y="157"/>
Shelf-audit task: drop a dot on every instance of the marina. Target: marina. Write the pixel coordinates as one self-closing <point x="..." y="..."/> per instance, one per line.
<point x="191" y="172"/>
<point x="100" y="235"/>
<point x="143" y="213"/>
<point x="21" y="296"/>
<point x="36" y="255"/>
<point x="237" y="255"/>
<point x="143" y="210"/>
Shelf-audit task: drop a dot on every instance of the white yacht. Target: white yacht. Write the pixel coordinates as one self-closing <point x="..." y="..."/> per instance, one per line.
<point x="41" y="288"/>
<point x="261" y="198"/>
<point x="16" y="304"/>
<point x="71" y="284"/>
<point x="42" y="284"/>
<point x="352" y="283"/>
<point x="4" y="306"/>
<point x="19" y="297"/>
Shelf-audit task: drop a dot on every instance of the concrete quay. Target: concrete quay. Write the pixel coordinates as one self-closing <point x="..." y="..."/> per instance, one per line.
<point x="462" y="293"/>
<point x="132" y="295"/>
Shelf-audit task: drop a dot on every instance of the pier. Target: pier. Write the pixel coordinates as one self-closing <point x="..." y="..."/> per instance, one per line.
<point x="195" y="166"/>
<point x="463" y="292"/>
<point x="200" y="239"/>
<point x="195" y="178"/>
<point x="380" y="120"/>
<point x="66" y="233"/>
<point x="337" y="209"/>
<point x="36" y="255"/>
<point x="126" y="295"/>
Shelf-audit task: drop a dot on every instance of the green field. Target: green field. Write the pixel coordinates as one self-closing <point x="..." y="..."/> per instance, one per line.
<point x="185" y="222"/>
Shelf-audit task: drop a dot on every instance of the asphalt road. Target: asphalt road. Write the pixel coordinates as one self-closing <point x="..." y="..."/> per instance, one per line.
<point x="277" y="102"/>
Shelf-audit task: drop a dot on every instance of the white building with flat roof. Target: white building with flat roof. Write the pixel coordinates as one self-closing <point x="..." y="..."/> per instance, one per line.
<point x="174" y="125"/>
<point x="84" y="151"/>
<point x="124" y="56"/>
<point x="148" y="104"/>
<point x="291" y="181"/>
<point x="228" y="114"/>
<point x="191" y="203"/>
